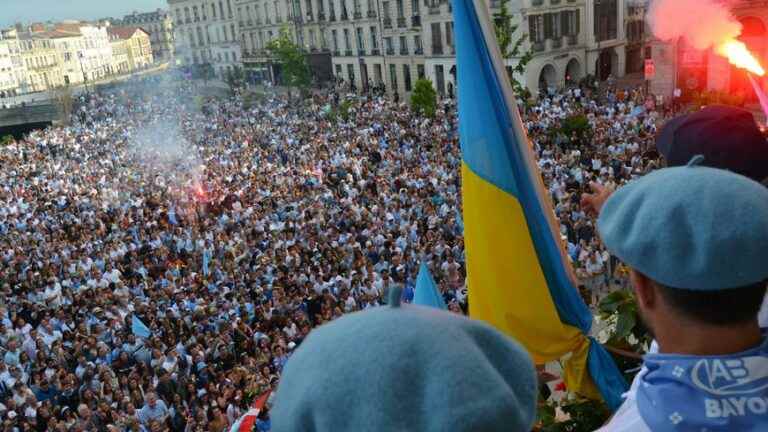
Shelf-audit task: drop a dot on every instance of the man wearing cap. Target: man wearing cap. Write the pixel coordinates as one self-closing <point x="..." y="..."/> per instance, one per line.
<point x="699" y="272"/>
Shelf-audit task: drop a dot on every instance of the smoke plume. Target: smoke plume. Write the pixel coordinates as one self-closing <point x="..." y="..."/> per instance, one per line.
<point x="703" y="23"/>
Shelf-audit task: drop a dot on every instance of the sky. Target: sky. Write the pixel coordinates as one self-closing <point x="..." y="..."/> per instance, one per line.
<point x="27" y="11"/>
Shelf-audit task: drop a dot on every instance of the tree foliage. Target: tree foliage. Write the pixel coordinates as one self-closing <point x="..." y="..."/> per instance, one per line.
<point x="424" y="98"/>
<point x="296" y="71"/>
<point x="512" y="48"/>
<point x="7" y="140"/>
<point x="235" y="78"/>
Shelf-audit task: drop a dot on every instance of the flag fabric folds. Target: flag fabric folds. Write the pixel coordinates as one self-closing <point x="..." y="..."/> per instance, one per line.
<point x="427" y="293"/>
<point x="518" y="277"/>
<point x="246" y="422"/>
<point x="139" y="328"/>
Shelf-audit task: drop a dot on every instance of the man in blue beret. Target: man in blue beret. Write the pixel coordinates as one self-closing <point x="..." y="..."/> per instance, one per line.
<point x="696" y="241"/>
<point x="404" y="368"/>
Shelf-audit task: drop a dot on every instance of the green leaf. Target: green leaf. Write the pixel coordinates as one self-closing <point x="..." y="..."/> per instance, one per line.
<point x="625" y="324"/>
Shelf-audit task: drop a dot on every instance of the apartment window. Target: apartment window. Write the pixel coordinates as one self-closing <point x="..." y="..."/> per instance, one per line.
<point x="420" y="71"/>
<point x="335" y="39"/>
<point x="357" y="7"/>
<point x="360" y="45"/>
<point x="407" y="77"/>
<point x="417" y="44"/>
<point x="400" y="8"/>
<point x="179" y="16"/>
<point x="229" y="8"/>
<point x="385" y="8"/>
<point x="351" y="73"/>
<point x="338" y="70"/>
<point x="388" y="45"/>
<point x="393" y="76"/>
<point x="374" y="39"/>
<point x="200" y="39"/>
<point x="440" y="77"/>
<point x="606" y="20"/>
<point x="213" y="10"/>
<point x="221" y="9"/>
<point x="194" y="12"/>
<point x="186" y="14"/>
<point x="234" y="32"/>
<point x="312" y="40"/>
<point x="536" y="28"/>
<point x="416" y="6"/>
<point x="569" y="22"/>
<point x="403" y="45"/>
<point x="347" y="45"/>
<point x="449" y="33"/>
<point x="437" y="39"/>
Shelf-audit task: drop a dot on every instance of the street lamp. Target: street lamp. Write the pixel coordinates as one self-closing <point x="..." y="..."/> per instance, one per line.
<point x="85" y="76"/>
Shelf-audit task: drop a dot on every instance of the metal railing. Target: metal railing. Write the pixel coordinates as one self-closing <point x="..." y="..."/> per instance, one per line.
<point x="416" y="21"/>
<point x="400" y="22"/>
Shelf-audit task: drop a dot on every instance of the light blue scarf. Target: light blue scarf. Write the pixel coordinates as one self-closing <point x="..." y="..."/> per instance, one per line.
<point x="695" y="393"/>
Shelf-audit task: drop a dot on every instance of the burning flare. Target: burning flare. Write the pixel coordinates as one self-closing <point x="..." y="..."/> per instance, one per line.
<point x="738" y="55"/>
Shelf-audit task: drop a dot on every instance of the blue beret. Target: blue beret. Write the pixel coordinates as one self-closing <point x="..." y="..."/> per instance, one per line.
<point x="406" y="368"/>
<point x="690" y="227"/>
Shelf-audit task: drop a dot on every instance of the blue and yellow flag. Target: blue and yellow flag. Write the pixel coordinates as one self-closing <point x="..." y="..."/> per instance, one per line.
<point x="519" y="280"/>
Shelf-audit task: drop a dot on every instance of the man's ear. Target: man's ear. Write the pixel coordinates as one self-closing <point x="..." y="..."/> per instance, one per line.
<point x="644" y="289"/>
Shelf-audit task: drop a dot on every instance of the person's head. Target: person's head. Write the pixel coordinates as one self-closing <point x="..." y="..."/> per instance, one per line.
<point x="696" y="241"/>
<point x="405" y="363"/>
<point x="726" y="136"/>
<point x="151" y="399"/>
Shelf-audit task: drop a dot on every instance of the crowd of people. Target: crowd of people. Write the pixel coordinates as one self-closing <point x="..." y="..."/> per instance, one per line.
<point x="232" y="227"/>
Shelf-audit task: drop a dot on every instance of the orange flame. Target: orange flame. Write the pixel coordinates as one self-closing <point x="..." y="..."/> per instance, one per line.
<point x="738" y="55"/>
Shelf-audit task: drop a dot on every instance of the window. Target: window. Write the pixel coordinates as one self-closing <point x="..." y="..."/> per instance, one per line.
<point x="194" y="12"/>
<point x="385" y="8"/>
<point x="213" y="10"/>
<point x="312" y="40"/>
<point x="440" y="77"/>
<point x="393" y="76"/>
<point x="347" y="45"/>
<point x="388" y="45"/>
<point x="606" y="20"/>
<point x="309" y="7"/>
<point x="338" y="70"/>
<point x="186" y="14"/>
<point x="335" y="39"/>
<point x="648" y="53"/>
<point x="403" y="45"/>
<point x="437" y="39"/>
<point x="351" y="73"/>
<point x="420" y="71"/>
<point x="407" y="77"/>
<point x="360" y="45"/>
<point x="415" y="5"/>
<point x="374" y="39"/>
<point x="449" y="33"/>
<point x="377" y="76"/>
<point x="536" y="28"/>
<point x="400" y="9"/>
<point x="569" y="22"/>
<point x="221" y="9"/>
<point x="234" y="33"/>
<point x="229" y="8"/>
<point x="417" y="44"/>
<point x="200" y="39"/>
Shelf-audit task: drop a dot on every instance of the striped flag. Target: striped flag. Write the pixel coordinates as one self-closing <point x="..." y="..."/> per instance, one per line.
<point x="139" y="328"/>
<point x="518" y="276"/>
<point x="246" y="422"/>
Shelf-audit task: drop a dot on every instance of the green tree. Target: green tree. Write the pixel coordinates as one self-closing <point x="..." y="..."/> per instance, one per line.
<point x="235" y="78"/>
<point x="512" y="48"/>
<point x="296" y="71"/>
<point x="7" y="140"/>
<point x="424" y="98"/>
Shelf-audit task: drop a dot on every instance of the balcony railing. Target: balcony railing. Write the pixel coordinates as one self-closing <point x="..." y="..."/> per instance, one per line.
<point x="241" y="23"/>
<point x="403" y="51"/>
<point x="554" y="2"/>
<point x="348" y="53"/>
<point x="537" y="46"/>
<point x="390" y="51"/>
<point x="400" y="22"/>
<point x="375" y="52"/>
<point x="419" y="51"/>
<point x="332" y="17"/>
<point x="387" y="21"/>
<point x="416" y="21"/>
<point x="360" y="52"/>
<point x="310" y="18"/>
<point x="336" y="53"/>
<point x="358" y="15"/>
<point x="371" y="13"/>
<point x="321" y="16"/>
<point x="434" y="10"/>
<point x="344" y="16"/>
<point x="437" y="49"/>
<point x="249" y="22"/>
<point x="573" y="39"/>
<point x="557" y="43"/>
<point x="537" y="2"/>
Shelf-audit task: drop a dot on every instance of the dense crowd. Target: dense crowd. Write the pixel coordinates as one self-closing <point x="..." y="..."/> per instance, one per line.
<point x="231" y="228"/>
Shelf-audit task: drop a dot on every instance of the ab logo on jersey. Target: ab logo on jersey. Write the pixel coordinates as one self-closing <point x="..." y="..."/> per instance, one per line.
<point x="724" y="377"/>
